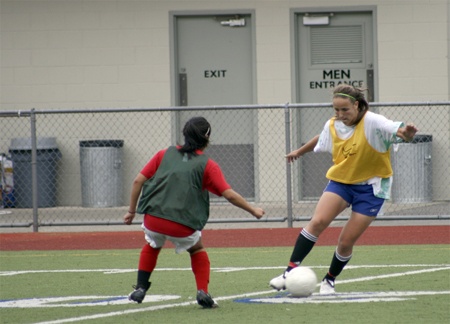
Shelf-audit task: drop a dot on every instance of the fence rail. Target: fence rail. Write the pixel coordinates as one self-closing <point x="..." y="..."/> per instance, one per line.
<point x="75" y="167"/>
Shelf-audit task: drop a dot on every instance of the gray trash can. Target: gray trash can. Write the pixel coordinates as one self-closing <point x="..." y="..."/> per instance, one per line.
<point x="47" y="157"/>
<point x="101" y="173"/>
<point x="411" y="163"/>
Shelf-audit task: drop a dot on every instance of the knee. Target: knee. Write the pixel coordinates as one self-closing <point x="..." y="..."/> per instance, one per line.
<point x="316" y="227"/>
<point x="345" y="247"/>
<point x="196" y="248"/>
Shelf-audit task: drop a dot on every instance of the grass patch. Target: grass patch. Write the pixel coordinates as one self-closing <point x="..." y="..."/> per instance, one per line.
<point x="373" y="269"/>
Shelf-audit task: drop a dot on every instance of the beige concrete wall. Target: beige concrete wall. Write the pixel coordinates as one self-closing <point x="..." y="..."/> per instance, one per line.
<point x="115" y="54"/>
<point x="412" y="50"/>
<point x="64" y="54"/>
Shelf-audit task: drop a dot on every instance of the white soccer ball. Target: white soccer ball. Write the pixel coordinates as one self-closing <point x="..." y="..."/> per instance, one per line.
<point x="301" y="282"/>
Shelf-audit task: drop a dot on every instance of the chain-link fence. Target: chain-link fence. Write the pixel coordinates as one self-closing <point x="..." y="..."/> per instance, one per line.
<point x="75" y="167"/>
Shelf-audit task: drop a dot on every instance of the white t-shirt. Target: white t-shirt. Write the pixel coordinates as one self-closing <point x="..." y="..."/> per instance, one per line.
<point x="380" y="133"/>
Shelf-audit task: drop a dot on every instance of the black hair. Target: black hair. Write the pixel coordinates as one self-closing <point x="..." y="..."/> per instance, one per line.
<point x="353" y="94"/>
<point x="196" y="132"/>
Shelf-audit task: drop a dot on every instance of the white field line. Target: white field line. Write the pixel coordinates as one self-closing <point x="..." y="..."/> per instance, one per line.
<point x="226" y="269"/>
<point x="158" y="307"/>
<point x="393" y="275"/>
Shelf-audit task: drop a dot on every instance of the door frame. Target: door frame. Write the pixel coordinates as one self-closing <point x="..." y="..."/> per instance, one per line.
<point x="174" y="67"/>
<point x="174" y="79"/>
<point x="173" y="50"/>
<point x="295" y="15"/>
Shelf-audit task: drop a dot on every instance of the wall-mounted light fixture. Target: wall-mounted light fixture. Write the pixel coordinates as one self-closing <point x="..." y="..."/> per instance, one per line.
<point x="233" y="22"/>
<point x="316" y="20"/>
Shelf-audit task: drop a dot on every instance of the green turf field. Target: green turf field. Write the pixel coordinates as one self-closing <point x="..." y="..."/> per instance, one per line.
<point x="381" y="284"/>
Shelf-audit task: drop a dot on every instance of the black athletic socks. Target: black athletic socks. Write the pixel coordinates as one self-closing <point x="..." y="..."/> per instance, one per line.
<point x="303" y="246"/>
<point x="143" y="278"/>
<point x="337" y="265"/>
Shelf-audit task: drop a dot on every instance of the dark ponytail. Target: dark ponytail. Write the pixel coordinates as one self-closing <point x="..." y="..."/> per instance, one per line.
<point x="196" y="132"/>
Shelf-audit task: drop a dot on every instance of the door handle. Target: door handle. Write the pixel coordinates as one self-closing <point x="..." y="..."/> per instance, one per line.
<point x="182" y="79"/>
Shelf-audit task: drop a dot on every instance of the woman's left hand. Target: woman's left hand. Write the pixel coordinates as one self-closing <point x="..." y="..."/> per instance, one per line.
<point x="407" y="133"/>
<point x="128" y="218"/>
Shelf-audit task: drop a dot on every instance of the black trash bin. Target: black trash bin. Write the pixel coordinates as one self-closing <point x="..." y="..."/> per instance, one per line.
<point x="413" y="173"/>
<point x="101" y="173"/>
<point x="47" y="157"/>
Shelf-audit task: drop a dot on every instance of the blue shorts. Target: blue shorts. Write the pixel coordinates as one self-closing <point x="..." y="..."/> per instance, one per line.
<point x="361" y="197"/>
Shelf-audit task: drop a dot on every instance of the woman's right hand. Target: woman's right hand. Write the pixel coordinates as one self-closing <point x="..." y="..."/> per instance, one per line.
<point x="291" y="157"/>
<point x="308" y="147"/>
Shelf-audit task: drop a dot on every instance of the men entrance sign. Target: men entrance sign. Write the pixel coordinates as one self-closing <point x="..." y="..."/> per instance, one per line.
<point x="333" y="78"/>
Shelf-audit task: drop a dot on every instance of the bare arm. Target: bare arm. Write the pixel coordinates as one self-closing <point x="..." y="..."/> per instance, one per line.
<point x="239" y="201"/>
<point x="308" y="147"/>
<point x="135" y="192"/>
<point x="407" y="133"/>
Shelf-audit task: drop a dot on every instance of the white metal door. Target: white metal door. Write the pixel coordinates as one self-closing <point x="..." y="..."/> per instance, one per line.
<point x="215" y="67"/>
<point x="331" y="48"/>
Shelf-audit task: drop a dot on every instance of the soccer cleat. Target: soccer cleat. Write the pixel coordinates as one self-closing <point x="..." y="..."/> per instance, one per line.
<point x="279" y="283"/>
<point x="138" y="294"/>
<point x="327" y="287"/>
<point x="205" y="300"/>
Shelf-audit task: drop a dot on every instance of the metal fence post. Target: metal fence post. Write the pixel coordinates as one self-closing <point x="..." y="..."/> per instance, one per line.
<point x="287" y="118"/>
<point x="34" y="184"/>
